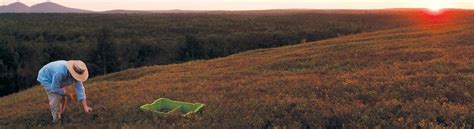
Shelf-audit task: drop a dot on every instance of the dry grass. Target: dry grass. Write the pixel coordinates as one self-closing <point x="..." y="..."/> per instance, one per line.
<point x="403" y="78"/>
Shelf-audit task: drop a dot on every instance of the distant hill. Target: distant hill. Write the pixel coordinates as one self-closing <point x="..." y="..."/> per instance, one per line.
<point x="16" y="7"/>
<point x="46" y="7"/>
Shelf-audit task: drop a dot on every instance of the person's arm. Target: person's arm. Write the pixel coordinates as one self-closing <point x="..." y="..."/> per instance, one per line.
<point x="87" y="109"/>
<point x="81" y="96"/>
<point x="80" y="91"/>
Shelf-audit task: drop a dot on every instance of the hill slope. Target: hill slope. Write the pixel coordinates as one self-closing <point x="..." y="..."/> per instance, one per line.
<point x="50" y="7"/>
<point x="419" y="76"/>
<point x="46" y="7"/>
<point x="16" y="7"/>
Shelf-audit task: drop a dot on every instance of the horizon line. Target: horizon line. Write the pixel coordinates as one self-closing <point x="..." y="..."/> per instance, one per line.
<point x="244" y="9"/>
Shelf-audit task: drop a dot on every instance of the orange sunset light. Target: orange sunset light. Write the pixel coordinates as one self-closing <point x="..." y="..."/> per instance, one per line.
<point x="435" y="7"/>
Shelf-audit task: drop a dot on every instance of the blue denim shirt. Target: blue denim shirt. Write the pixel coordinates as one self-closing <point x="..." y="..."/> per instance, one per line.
<point x="54" y="77"/>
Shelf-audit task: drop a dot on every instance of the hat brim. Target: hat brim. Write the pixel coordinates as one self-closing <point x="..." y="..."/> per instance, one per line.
<point x="79" y="77"/>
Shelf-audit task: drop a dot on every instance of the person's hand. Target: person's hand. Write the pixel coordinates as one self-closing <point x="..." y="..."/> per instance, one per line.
<point x="87" y="109"/>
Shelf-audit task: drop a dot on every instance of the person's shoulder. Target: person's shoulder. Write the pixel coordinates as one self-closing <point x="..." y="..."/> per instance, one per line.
<point x="57" y="66"/>
<point x="62" y="62"/>
<point x="57" y="63"/>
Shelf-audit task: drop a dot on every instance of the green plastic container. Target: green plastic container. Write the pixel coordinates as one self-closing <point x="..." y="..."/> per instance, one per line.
<point x="165" y="106"/>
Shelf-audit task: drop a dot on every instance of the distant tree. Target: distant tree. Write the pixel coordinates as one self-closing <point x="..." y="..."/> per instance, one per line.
<point x="138" y="53"/>
<point x="104" y="58"/>
<point x="216" y="46"/>
<point x="30" y="61"/>
<point x="146" y="52"/>
<point x="56" y="51"/>
<point x="129" y="54"/>
<point x="8" y="66"/>
<point x="192" y="49"/>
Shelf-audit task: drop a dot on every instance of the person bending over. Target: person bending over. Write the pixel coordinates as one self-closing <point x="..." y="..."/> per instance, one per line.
<point x="55" y="76"/>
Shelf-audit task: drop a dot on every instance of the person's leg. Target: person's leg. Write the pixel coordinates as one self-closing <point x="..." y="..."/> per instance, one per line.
<point x="55" y="105"/>
<point x="60" y="106"/>
<point x="63" y="104"/>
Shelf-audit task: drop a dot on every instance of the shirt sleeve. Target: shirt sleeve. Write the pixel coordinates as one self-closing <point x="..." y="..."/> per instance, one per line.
<point x="56" y="85"/>
<point x="80" y="91"/>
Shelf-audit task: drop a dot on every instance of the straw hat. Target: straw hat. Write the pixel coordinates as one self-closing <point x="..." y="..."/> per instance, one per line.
<point x="78" y="70"/>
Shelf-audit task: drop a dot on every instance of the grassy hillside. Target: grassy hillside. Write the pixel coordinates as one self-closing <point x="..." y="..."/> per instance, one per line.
<point x="419" y="76"/>
<point x="116" y="42"/>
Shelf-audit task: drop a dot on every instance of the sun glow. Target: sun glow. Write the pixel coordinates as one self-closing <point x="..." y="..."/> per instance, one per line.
<point x="434" y="6"/>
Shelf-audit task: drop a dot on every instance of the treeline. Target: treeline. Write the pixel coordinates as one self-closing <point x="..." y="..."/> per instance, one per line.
<point x="114" y="42"/>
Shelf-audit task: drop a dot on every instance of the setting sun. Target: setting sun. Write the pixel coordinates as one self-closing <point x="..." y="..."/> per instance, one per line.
<point x="434" y="6"/>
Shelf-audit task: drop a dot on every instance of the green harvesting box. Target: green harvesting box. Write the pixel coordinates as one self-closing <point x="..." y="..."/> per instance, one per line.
<point x="165" y="106"/>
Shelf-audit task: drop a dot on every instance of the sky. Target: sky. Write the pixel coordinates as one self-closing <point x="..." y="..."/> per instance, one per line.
<point x="102" y="5"/>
